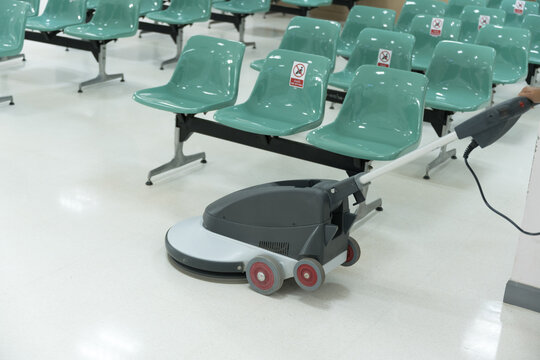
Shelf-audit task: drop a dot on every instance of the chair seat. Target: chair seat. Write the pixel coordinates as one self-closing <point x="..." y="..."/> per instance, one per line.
<point x="308" y="3"/>
<point x="169" y="98"/>
<point x="46" y="24"/>
<point x="505" y="75"/>
<point x="330" y="138"/>
<point x="235" y="8"/>
<point x="239" y="117"/>
<point x="421" y="61"/>
<point x="186" y="16"/>
<point x="342" y="79"/>
<point x="257" y="64"/>
<point x="90" y="31"/>
<point x="345" y="49"/>
<point x="455" y="101"/>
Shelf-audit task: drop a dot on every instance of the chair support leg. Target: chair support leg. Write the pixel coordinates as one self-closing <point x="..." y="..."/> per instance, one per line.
<point x="102" y="75"/>
<point x="364" y="209"/>
<point x="179" y="39"/>
<point x="444" y="154"/>
<point x="179" y="159"/>
<point x="242" y="30"/>
<point x="6" y="58"/>
<point x="7" y="98"/>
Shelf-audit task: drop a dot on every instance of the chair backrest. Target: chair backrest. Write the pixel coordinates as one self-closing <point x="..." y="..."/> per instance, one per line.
<point x="211" y="66"/>
<point x="280" y="94"/>
<point x="118" y="14"/>
<point x="429" y="33"/>
<point x="455" y="7"/>
<point x="411" y="8"/>
<point x="33" y="10"/>
<point x="384" y="106"/>
<point x="91" y="4"/>
<point x="532" y="22"/>
<point x="512" y="47"/>
<point x="12" y="26"/>
<point x="473" y="18"/>
<point x="199" y="6"/>
<point x="494" y="4"/>
<point x="65" y="9"/>
<point x="516" y="10"/>
<point x="312" y="36"/>
<point x="382" y="48"/>
<point x="361" y="17"/>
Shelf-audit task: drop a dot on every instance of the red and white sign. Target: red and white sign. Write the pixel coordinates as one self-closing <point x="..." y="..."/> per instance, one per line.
<point x="436" y="27"/>
<point x="298" y="74"/>
<point x="518" y="7"/>
<point x="483" y="20"/>
<point x="385" y="56"/>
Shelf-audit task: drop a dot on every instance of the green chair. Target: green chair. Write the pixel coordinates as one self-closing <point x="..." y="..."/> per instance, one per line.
<point x="411" y="8"/>
<point x="33" y="9"/>
<point x="12" y="25"/>
<point x="426" y="41"/>
<point x="494" y="4"/>
<point x="59" y="14"/>
<point x="361" y="17"/>
<point x="514" y="15"/>
<point x="381" y="117"/>
<point x="473" y="18"/>
<point x="455" y="7"/>
<point x="206" y="79"/>
<point x="370" y="45"/>
<point x="112" y="19"/>
<point x="512" y="47"/>
<point x="91" y="4"/>
<point x="532" y="23"/>
<point x="179" y="14"/>
<point x="279" y="104"/>
<point x="460" y="79"/>
<point x="311" y="36"/>
<point x="145" y="6"/>
<point x="310" y="4"/>
<point x="242" y="9"/>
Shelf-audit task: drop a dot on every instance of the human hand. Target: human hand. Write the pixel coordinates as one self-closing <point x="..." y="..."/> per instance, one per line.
<point x="533" y="93"/>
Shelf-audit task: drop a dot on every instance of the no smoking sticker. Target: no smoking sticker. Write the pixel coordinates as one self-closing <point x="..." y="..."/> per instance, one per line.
<point x="436" y="27"/>
<point x="385" y="56"/>
<point x="518" y="7"/>
<point x="298" y="74"/>
<point x="483" y="20"/>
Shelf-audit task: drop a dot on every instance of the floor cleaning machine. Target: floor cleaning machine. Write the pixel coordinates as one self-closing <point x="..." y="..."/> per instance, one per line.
<point x="300" y="228"/>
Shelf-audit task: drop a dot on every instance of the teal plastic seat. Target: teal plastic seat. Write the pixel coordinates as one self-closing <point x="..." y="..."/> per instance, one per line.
<point x="411" y="8"/>
<point x="381" y="117"/>
<point x="370" y="44"/>
<point x="12" y="25"/>
<point x="183" y="12"/>
<point x="494" y="4"/>
<point x="59" y="14"/>
<point x="243" y="6"/>
<point x="311" y="36"/>
<point x="425" y="42"/>
<point x="33" y="9"/>
<point x="512" y="47"/>
<point x="471" y="21"/>
<point x="308" y="3"/>
<point x="113" y="19"/>
<point x="532" y="23"/>
<point x="91" y="4"/>
<point x="205" y="79"/>
<point x="455" y="7"/>
<point x="275" y="107"/>
<point x="460" y="76"/>
<point x="145" y="6"/>
<point x="359" y="18"/>
<point x="515" y="18"/>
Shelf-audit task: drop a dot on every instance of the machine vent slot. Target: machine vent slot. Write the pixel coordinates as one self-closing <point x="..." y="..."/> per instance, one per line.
<point x="281" y="248"/>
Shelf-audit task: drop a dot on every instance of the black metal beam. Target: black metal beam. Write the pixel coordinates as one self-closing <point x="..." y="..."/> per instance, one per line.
<point x="335" y="96"/>
<point x="348" y="3"/>
<point x="437" y="119"/>
<point x="298" y="11"/>
<point x="190" y="124"/>
<point x="54" y="39"/>
<point x="234" y="19"/>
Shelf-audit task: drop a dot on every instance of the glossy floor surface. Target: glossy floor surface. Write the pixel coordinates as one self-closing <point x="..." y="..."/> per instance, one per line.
<point x="83" y="268"/>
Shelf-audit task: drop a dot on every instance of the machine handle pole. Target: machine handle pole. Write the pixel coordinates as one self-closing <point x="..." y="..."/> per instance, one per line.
<point x="363" y="178"/>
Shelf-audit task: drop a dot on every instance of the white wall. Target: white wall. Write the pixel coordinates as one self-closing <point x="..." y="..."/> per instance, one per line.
<point x="527" y="263"/>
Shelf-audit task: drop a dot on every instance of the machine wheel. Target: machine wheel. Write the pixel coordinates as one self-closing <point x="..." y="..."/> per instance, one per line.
<point x="353" y="252"/>
<point x="309" y="274"/>
<point x="264" y="275"/>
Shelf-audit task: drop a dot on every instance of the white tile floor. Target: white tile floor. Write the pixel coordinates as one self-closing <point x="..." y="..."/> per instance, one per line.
<point x="83" y="267"/>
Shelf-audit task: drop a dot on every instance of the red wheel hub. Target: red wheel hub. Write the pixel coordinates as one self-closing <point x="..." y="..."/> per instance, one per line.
<point x="350" y="254"/>
<point x="307" y="275"/>
<point x="262" y="276"/>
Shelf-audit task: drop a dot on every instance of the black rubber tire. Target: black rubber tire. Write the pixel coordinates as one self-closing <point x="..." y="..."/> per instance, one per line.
<point x="309" y="274"/>
<point x="264" y="275"/>
<point x="353" y="252"/>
